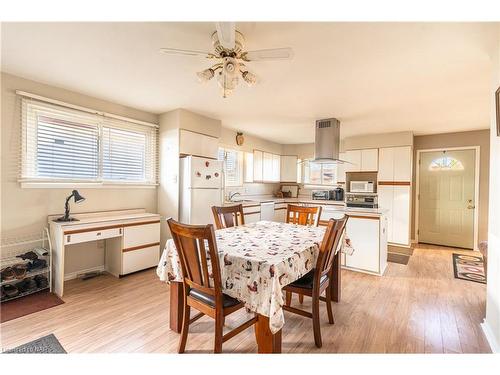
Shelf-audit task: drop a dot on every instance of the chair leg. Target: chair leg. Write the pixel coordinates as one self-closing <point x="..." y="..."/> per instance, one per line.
<point x="288" y="298"/>
<point x="219" y="325"/>
<point x="329" y="305"/>
<point x="301" y="299"/>
<point x="316" y="326"/>
<point x="184" y="329"/>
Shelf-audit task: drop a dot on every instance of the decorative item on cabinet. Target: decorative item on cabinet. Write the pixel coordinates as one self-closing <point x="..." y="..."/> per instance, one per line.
<point x="240" y="139"/>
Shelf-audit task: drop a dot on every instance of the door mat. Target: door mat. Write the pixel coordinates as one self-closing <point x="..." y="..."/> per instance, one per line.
<point x="469" y="267"/>
<point x="44" y="345"/>
<point x="28" y="305"/>
<point x="398" y="258"/>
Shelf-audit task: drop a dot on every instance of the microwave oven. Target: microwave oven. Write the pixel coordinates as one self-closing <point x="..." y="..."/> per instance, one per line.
<point x="362" y="187"/>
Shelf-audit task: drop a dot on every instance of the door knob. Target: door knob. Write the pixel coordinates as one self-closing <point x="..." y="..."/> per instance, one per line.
<point x="470" y="206"/>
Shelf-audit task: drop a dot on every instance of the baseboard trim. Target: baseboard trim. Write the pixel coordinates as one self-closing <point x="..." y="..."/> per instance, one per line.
<point x="73" y="275"/>
<point x="490" y="337"/>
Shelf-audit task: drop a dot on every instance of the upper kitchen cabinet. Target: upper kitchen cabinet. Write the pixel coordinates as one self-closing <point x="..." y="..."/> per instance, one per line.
<point x="395" y="164"/>
<point x="288" y="170"/>
<point x="197" y="144"/>
<point x="357" y="161"/>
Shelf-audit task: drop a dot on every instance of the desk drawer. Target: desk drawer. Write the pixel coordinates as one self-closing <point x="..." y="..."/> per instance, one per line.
<point x="94" y="235"/>
<point x="138" y="235"/>
<point x="140" y="259"/>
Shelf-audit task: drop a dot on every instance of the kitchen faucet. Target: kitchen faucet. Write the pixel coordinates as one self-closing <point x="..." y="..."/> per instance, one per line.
<point x="232" y="195"/>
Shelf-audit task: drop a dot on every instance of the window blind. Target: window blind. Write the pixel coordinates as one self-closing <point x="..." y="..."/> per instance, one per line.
<point x="232" y="166"/>
<point x="63" y="144"/>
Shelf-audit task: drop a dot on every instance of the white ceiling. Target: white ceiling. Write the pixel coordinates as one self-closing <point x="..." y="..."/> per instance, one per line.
<point x="373" y="77"/>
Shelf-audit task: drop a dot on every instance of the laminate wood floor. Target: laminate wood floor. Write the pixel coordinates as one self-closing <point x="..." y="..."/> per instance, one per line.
<point x="417" y="308"/>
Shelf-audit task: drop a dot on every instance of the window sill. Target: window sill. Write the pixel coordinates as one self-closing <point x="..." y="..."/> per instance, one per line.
<point x="84" y="185"/>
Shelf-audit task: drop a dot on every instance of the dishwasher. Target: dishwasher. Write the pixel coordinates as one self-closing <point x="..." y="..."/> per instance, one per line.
<point x="267" y="211"/>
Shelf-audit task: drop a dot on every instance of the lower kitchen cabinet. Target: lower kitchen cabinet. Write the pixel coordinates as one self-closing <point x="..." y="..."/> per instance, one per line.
<point x="369" y="239"/>
<point x="396" y="199"/>
<point x="280" y="215"/>
<point x="251" y="213"/>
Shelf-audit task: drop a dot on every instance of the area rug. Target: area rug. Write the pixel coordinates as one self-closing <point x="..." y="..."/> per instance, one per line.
<point x="469" y="267"/>
<point x="44" y="345"/>
<point x="28" y="305"/>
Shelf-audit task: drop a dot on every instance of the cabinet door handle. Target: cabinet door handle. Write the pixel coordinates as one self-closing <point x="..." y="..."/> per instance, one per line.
<point x="68" y="238"/>
<point x="120" y="230"/>
<point x="98" y="233"/>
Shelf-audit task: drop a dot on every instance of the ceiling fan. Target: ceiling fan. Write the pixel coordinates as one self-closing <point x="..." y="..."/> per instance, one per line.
<point x="229" y="44"/>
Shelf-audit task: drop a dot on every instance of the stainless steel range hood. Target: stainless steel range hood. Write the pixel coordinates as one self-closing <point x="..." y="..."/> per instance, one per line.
<point x="327" y="141"/>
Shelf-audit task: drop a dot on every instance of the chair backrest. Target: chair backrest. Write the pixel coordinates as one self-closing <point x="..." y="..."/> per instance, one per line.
<point x="191" y="242"/>
<point x="230" y="216"/>
<point x="303" y="215"/>
<point x="327" y="250"/>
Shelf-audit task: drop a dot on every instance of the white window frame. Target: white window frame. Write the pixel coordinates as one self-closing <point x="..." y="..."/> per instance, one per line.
<point x="305" y="165"/>
<point x="239" y="166"/>
<point x="27" y="177"/>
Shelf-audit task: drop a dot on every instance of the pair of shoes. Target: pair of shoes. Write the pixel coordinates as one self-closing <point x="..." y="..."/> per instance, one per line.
<point x="31" y="255"/>
<point x="41" y="281"/>
<point x="36" y="264"/>
<point x="26" y="285"/>
<point x="17" y="271"/>
<point x="9" y="291"/>
<point x="7" y="274"/>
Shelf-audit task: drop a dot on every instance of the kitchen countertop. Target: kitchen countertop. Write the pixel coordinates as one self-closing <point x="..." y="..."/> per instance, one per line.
<point x="332" y="205"/>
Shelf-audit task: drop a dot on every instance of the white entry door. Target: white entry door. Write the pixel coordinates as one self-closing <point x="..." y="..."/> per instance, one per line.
<point x="446" y="202"/>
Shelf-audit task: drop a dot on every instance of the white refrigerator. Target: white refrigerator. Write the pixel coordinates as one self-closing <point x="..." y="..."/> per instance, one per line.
<point x="200" y="188"/>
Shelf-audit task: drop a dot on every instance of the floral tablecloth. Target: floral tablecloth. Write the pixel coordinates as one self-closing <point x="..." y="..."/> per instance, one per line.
<point x="256" y="260"/>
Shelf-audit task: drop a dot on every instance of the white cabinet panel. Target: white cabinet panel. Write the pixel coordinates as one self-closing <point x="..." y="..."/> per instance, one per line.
<point x="138" y="235"/>
<point x="386" y="200"/>
<point x="258" y="163"/>
<point x="252" y="217"/>
<point x="96" y="235"/>
<point x="402" y="163"/>
<point x="191" y="143"/>
<point x="140" y="259"/>
<point x="280" y="215"/>
<point x="354" y="159"/>
<point x="401" y="215"/>
<point x="395" y="164"/>
<point x="364" y="234"/>
<point x="288" y="170"/>
<point x="267" y="211"/>
<point x="369" y="160"/>
<point x="386" y="164"/>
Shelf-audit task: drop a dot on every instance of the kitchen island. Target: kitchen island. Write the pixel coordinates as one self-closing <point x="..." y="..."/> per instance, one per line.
<point x="366" y="228"/>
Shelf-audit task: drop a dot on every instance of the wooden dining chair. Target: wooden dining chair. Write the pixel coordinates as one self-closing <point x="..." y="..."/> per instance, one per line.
<point x="303" y="215"/>
<point x="201" y="286"/>
<point x="230" y="216"/>
<point x="314" y="283"/>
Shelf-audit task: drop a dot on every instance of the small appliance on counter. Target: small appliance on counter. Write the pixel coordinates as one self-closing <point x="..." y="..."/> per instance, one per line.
<point x="290" y="191"/>
<point x="361" y="200"/>
<point x="328" y="195"/>
<point x="362" y="187"/>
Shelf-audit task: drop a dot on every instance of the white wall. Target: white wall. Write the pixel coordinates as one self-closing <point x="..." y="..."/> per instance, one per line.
<point x="24" y="210"/>
<point x="492" y="322"/>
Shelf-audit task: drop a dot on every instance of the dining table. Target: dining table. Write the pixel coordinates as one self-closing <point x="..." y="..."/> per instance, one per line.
<point x="257" y="260"/>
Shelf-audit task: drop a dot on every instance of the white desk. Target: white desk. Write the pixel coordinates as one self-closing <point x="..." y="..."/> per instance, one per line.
<point x="132" y="240"/>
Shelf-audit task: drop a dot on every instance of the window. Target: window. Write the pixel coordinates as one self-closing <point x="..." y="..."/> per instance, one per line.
<point x="248" y="167"/>
<point x="66" y="145"/>
<point x="319" y="174"/>
<point x="233" y="166"/>
<point x="446" y="163"/>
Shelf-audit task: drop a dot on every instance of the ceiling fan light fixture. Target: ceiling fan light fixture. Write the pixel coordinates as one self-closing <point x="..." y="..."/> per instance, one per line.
<point x="206" y="75"/>
<point x="249" y="78"/>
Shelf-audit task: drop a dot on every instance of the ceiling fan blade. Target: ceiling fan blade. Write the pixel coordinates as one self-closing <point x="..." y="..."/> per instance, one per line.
<point x="185" y="52"/>
<point x="268" y="54"/>
<point x="226" y="32"/>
